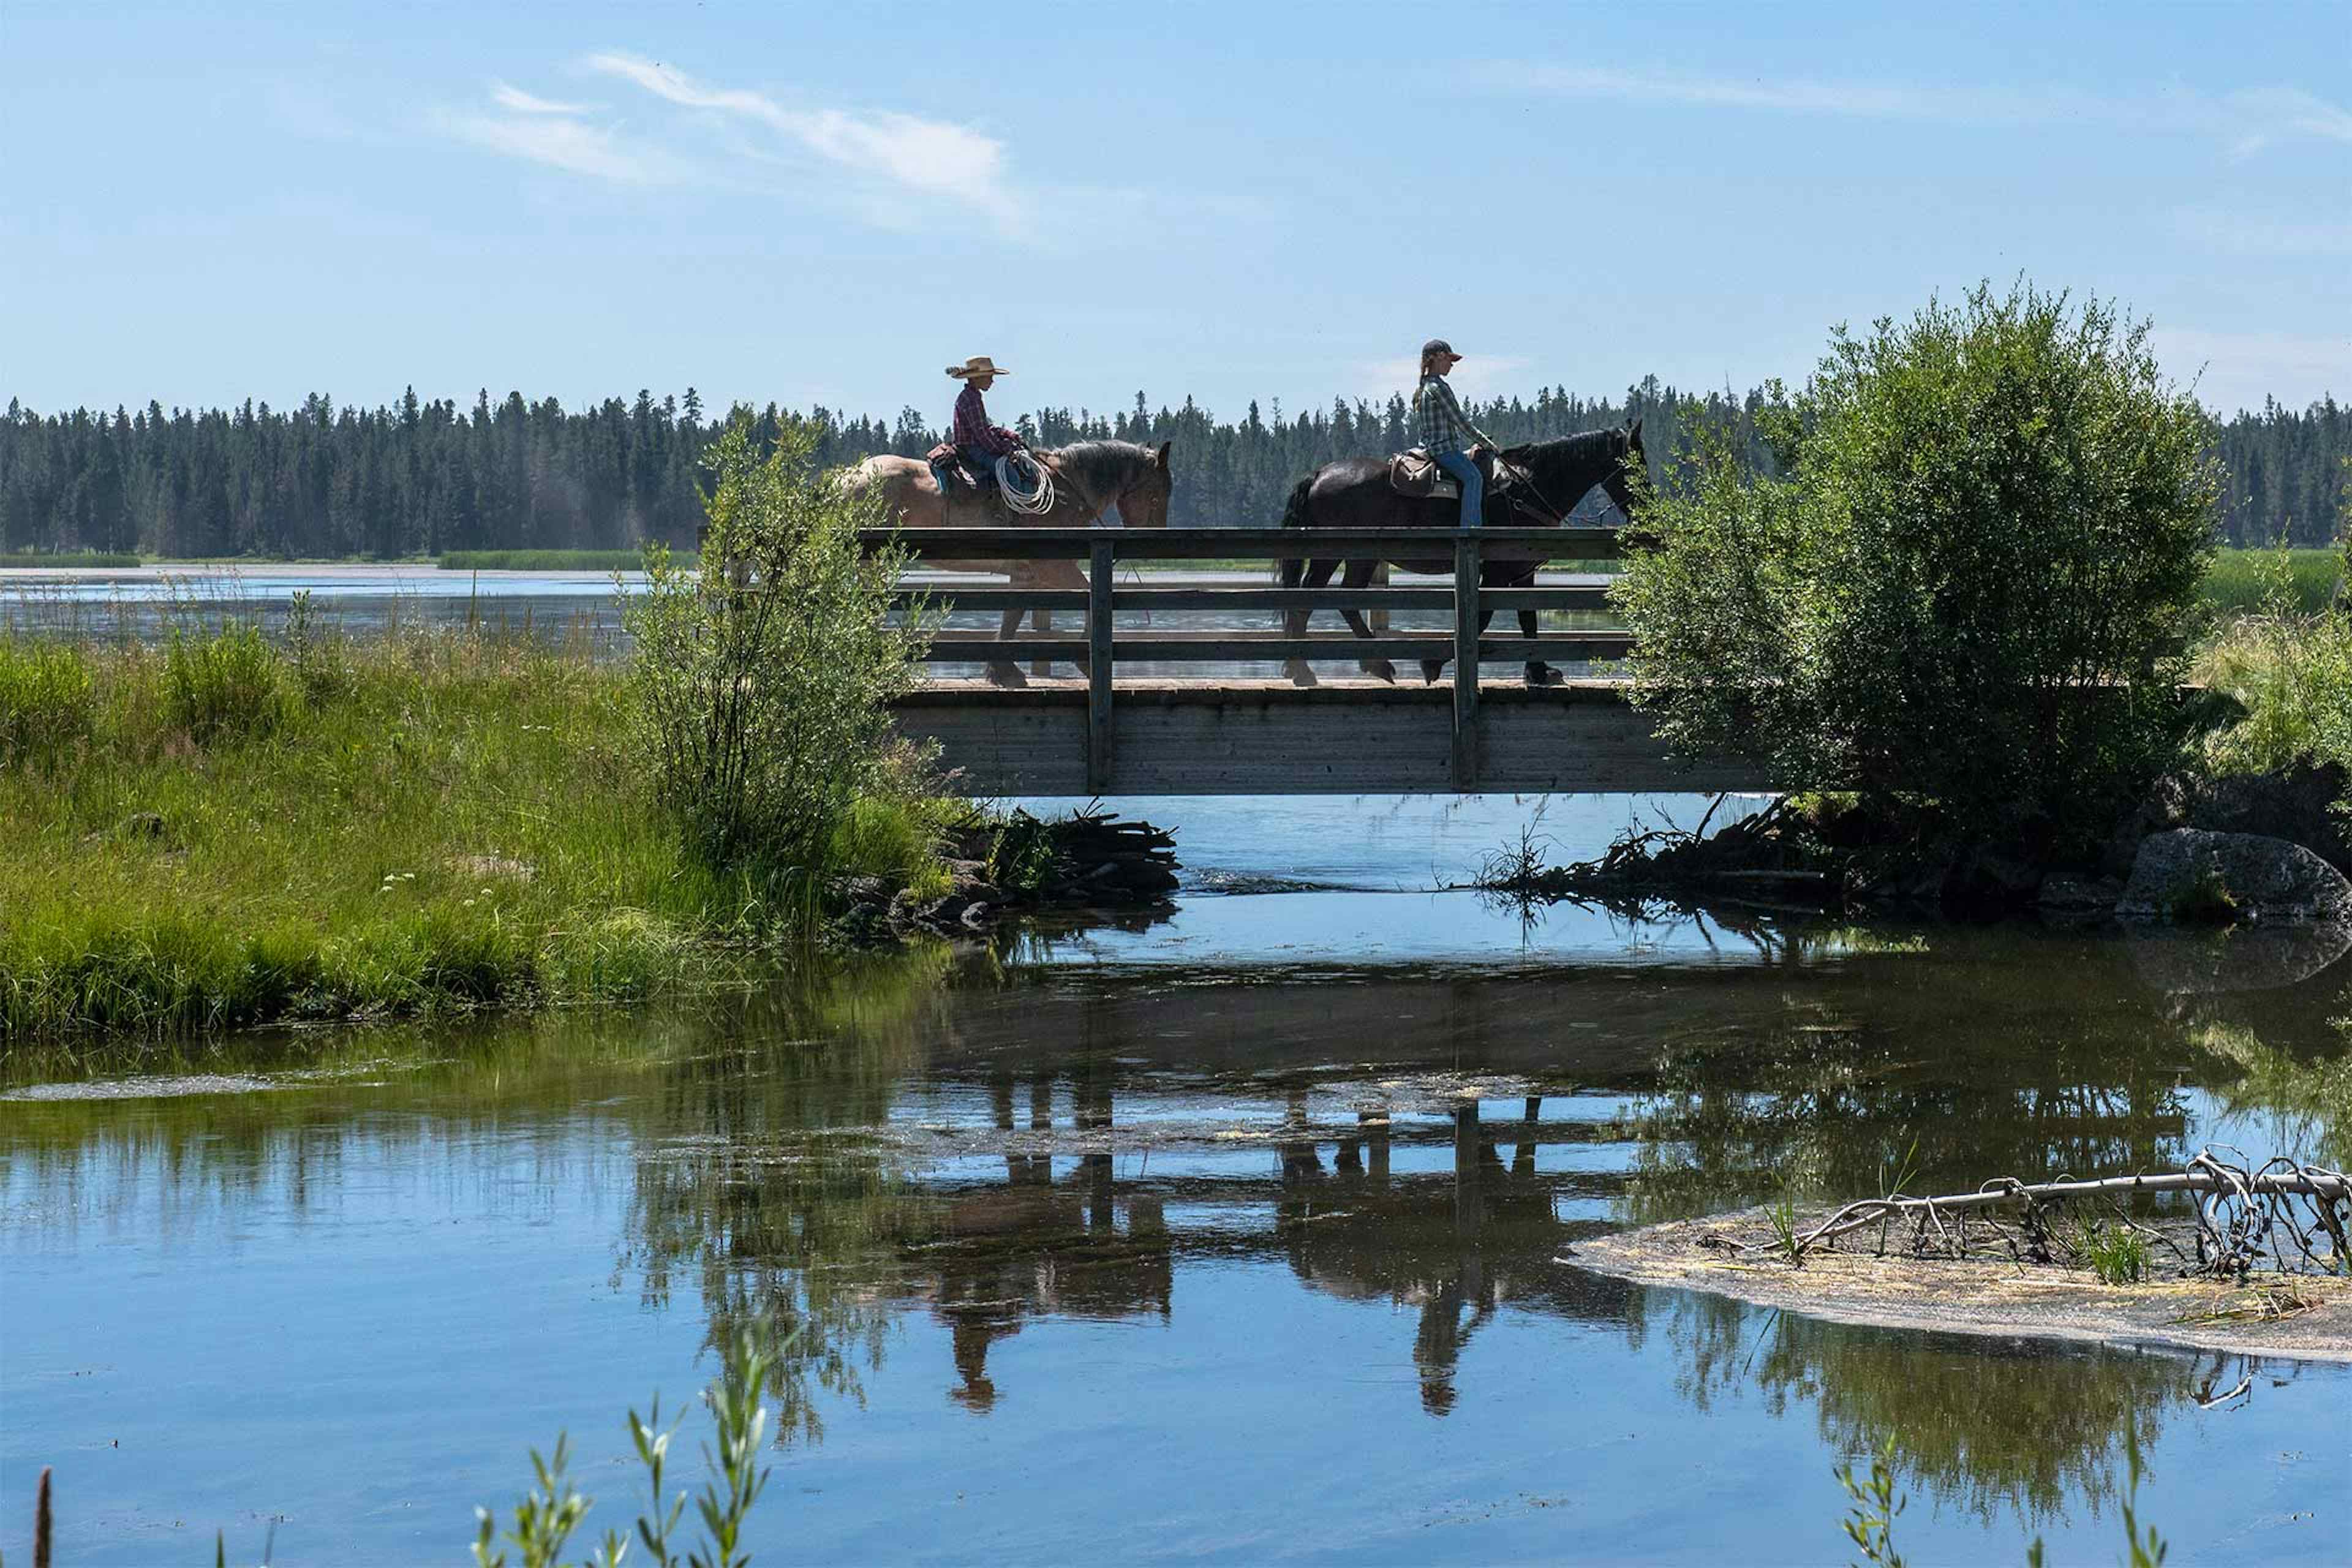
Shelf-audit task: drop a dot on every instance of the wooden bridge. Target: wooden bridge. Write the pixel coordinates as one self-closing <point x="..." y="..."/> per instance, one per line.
<point x="1109" y="735"/>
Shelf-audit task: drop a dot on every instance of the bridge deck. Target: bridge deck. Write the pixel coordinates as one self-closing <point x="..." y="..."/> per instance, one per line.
<point x="1269" y="737"/>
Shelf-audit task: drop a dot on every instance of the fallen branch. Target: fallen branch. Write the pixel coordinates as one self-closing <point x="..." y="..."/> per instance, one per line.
<point x="2245" y="1216"/>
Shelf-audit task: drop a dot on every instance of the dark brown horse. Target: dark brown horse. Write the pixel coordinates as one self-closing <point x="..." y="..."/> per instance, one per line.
<point x="1354" y="492"/>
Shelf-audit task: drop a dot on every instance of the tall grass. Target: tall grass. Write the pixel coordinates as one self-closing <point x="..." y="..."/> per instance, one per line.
<point x="229" y="831"/>
<point x="2292" y="671"/>
<point x="546" y="560"/>
<point x="2239" y="582"/>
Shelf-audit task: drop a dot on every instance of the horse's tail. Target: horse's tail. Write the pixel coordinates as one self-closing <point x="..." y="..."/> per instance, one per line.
<point x="1294" y="515"/>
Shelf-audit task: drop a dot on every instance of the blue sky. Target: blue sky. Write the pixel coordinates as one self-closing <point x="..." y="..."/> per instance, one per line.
<point x="828" y="203"/>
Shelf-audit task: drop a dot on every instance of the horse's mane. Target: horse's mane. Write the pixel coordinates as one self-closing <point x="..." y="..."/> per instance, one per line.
<point x="1098" y="465"/>
<point x="1586" y="445"/>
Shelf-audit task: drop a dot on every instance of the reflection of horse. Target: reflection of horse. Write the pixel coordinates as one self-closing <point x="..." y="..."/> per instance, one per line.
<point x="1089" y="478"/>
<point x="1355" y="492"/>
<point x="1362" y="1234"/>
<point x="1034" y="1246"/>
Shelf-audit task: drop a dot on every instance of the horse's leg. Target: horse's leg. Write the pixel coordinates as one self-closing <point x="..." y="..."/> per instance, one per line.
<point x="1539" y="672"/>
<point x="1059" y="575"/>
<point x="1294" y="622"/>
<point x="1360" y="574"/>
<point x="1004" y="671"/>
<point x="1041" y="621"/>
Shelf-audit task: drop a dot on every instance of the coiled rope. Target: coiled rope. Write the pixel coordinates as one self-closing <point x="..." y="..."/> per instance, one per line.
<point x="1038" y="501"/>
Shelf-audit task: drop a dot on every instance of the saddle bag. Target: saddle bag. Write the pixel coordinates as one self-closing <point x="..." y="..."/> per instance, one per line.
<point x="1413" y="472"/>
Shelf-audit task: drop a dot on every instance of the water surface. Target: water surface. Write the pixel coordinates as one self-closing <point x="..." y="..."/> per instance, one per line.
<point x="1160" y="1242"/>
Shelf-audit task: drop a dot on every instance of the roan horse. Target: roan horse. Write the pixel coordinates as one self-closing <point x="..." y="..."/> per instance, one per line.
<point x="1354" y="492"/>
<point x="1089" y="477"/>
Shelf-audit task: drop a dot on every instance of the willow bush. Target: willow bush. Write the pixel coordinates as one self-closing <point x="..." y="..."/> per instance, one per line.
<point x="1965" y="595"/>
<point x="762" y="684"/>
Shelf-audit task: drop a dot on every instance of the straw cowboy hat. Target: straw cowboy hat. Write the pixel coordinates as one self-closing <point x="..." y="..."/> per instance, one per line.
<point x="978" y="364"/>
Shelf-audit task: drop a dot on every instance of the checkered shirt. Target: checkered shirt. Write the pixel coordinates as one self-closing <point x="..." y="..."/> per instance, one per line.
<point x="1439" y="419"/>
<point x="973" y="430"/>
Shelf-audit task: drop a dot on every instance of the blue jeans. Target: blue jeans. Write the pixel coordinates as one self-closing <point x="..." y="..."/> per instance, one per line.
<point x="978" y="461"/>
<point x="1474" y="485"/>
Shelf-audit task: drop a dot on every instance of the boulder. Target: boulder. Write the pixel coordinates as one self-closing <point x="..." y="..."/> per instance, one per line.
<point x="2191" y="874"/>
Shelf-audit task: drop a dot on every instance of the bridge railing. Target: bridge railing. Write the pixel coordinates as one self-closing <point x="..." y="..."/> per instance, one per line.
<point x="1103" y="645"/>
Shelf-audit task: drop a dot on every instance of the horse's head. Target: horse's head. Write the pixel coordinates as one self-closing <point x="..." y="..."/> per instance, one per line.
<point x="1143" y="501"/>
<point x="1631" y="460"/>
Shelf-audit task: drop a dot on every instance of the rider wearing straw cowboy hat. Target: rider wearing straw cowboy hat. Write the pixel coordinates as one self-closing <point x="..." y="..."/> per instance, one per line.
<point x="975" y="440"/>
<point x="1445" y="431"/>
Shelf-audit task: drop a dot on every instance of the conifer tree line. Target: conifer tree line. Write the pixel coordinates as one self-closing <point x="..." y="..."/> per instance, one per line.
<point x="328" y="480"/>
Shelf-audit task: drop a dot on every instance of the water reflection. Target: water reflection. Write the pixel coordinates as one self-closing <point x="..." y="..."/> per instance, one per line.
<point x="906" y="1170"/>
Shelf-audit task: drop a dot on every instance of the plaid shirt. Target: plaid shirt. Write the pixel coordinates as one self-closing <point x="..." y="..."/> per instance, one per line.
<point x="972" y="430"/>
<point x="1444" y="427"/>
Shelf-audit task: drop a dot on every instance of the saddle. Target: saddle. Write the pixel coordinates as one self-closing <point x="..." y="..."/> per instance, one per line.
<point x="1413" y="472"/>
<point x="948" y="455"/>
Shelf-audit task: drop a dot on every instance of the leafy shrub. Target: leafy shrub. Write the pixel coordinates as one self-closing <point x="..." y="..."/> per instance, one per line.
<point x="227" y="686"/>
<point x="761" y="710"/>
<point x="1964" y="587"/>
<point x="46" y="698"/>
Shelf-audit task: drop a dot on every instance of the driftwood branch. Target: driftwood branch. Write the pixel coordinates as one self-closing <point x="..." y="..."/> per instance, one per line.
<point x="2276" y="1211"/>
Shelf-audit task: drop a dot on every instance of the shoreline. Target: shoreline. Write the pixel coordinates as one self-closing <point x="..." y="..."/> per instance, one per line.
<point x="1986" y="1299"/>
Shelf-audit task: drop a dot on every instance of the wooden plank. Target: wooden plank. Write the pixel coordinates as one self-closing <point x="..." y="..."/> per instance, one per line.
<point x="1203" y="647"/>
<point x="1101" y="655"/>
<point x="1247" y="543"/>
<point x="1243" y="599"/>
<point x="1271" y="738"/>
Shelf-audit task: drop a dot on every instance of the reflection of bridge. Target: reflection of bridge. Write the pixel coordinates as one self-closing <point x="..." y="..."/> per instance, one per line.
<point x="1219" y="736"/>
<point x="1453" y="1245"/>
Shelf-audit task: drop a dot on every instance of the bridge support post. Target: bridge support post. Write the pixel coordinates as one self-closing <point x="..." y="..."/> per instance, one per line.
<point x="1465" y="661"/>
<point x="1101" y="566"/>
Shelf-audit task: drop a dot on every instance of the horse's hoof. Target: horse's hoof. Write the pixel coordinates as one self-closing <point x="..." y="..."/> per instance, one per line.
<point x="1006" y="675"/>
<point x="1544" y="675"/>
<point x="1380" y="669"/>
<point x="1431" y="670"/>
<point x="1300" y="675"/>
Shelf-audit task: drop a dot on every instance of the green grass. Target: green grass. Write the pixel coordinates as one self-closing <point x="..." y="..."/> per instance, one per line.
<point x="547" y="560"/>
<point x="76" y="558"/>
<point x="2240" y="580"/>
<point x="229" y="832"/>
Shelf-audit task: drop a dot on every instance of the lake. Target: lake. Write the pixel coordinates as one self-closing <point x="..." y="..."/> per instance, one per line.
<point x="576" y="609"/>
<point x="1244" y="1231"/>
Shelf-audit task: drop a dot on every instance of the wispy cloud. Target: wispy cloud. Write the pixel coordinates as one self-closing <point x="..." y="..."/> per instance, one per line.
<point x="559" y="138"/>
<point x="2247" y="120"/>
<point x="933" y="158"/>
<point x="520" y="103"/>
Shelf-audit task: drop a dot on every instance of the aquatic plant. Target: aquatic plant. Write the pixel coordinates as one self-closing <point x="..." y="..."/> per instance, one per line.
<point x="1870" y="1522"/>
<point x="547" y="1514"/>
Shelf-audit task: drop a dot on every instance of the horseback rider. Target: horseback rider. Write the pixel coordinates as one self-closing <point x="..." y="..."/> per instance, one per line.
<point x="1445" y="431"/>
<point x="976" y="441"/>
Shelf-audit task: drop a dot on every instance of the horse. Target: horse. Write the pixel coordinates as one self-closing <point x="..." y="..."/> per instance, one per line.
<point x="1089" y="477"/>
<point x="1354" y="492"/>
